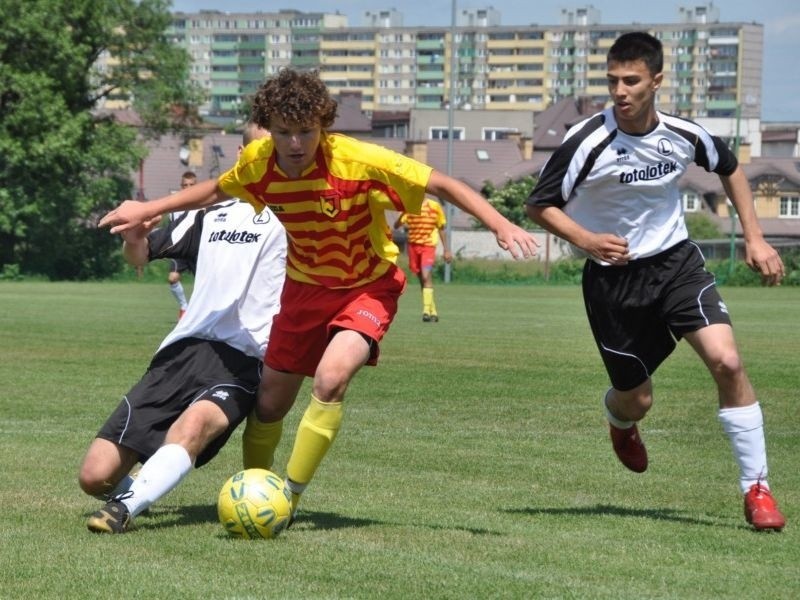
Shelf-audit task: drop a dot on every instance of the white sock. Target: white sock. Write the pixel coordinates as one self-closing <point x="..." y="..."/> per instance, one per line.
<point x="160" y="474"/>
<point x="745" y="428"/>
<point x="294" y="487"/>
<point x="618" y="423"/>
<point x="177" y="291"/>
<point x="123" y="486"/>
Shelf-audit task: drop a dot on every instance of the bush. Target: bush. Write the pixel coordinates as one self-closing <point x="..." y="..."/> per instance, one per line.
<point x="570" y="271"/>
<point x="10" y="273"/>
<point x="485" y="270"/>
<point x="743" y="276"/>
<point x="493" y="271"/>
<point x="153" y="272"/>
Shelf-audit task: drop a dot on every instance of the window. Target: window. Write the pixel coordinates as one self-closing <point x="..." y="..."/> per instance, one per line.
<point x="691" y="203"/>
<point x="497" y="133"/>
<point x="790" y="207"/>
<point x="441" y="133"/>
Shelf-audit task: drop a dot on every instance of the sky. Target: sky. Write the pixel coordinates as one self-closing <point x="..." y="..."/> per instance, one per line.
<point x="780" y="18"/>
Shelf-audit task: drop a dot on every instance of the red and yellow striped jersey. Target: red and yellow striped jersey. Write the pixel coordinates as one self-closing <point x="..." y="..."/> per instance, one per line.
<point x="334" y="213"/>
<point x="423" y="229"/>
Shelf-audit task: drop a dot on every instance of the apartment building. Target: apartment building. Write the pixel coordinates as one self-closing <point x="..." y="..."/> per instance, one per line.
<point x="712" y="68"/>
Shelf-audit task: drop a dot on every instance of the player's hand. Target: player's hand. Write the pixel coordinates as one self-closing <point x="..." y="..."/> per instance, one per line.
<point x="515" y="240"/>
<point x="764" y="259"/>
<point x="127" y="215"/>
<point x="137" y="234"/>
<point x="608" y="248"/>
<point x="448" y="257"/>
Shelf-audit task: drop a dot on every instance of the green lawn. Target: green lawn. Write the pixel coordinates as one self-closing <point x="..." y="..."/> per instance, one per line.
<point x="474" y="462"/>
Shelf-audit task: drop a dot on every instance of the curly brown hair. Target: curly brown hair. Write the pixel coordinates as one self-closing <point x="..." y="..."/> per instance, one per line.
<point x="297" y="97"/>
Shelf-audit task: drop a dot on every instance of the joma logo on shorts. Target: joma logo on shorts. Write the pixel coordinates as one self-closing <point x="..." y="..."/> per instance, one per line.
<point x="370" y="316"/>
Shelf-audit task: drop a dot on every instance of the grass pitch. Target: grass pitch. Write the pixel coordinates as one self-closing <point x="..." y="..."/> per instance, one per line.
<point x="474" y="462"/>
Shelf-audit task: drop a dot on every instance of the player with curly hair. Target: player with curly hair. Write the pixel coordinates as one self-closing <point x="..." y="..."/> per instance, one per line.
<point x="342" y="285"/>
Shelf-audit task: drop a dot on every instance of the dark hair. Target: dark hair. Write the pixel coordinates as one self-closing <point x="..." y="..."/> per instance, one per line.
<point x="297" y="97"/>
<point x="189" y="175"/>
<point x="638" y="45"/>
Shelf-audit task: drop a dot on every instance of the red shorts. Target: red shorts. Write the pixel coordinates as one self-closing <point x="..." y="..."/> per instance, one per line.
<point x="311" y="314"/>
<point x="421" y="257"/>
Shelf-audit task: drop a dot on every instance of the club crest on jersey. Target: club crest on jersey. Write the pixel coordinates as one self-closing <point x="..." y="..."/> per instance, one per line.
<point x="664" y="147"/>
<point x="330" y="203"/>
<point x="262" y="218"/>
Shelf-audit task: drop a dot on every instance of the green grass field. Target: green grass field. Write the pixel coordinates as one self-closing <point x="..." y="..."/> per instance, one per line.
<point x="474" y="462"/>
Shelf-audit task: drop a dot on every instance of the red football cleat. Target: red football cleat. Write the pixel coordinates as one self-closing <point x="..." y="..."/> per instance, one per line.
<point x="629" y="448"/>
<point x="761" y="510"/>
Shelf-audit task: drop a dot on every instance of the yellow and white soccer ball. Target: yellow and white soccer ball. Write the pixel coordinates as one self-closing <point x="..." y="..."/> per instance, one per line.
<point x="254" y="504"/>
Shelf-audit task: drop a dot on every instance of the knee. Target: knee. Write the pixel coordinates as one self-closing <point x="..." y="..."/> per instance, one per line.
<point x="727" y="366"/>
<point x="196" y="428"/>
<point x="631" y="405"/>
<point x="329" y="386"/>
<point x="639" y="404"/>
<point x="92" y="481"/>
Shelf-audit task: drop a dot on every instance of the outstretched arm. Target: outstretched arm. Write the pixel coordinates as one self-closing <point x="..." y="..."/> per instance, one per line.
<point x="518" y="242"/>
<point x="759" y="255"/>
<point x="132" y="213"/>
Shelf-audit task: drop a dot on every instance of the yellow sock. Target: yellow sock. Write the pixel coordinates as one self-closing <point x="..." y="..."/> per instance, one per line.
<point x="315" y="434"/>
<point x="259" y="442"/>
<point x="427" y="301"/>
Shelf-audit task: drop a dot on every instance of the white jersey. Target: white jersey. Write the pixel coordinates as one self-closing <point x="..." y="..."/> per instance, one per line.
<point x="241" y="264"/>
<point x="609" y="181"/>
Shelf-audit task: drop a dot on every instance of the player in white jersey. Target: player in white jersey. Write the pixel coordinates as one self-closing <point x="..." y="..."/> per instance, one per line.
<point x="202" y="382"/>
<point x="611" y="190"/>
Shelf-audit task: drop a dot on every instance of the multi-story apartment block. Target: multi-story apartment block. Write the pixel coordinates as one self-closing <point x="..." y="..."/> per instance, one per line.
<point x="232" y="53"/>
<point x="712" y="68"/>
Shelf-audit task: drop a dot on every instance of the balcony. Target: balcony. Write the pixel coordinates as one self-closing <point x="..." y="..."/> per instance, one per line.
<point x="305" y="61"/>
<point x="430" y="45"/>
<point x="721" y="104"/>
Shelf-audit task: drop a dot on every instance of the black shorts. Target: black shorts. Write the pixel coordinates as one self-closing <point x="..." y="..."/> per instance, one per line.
<point x="637" y="312"/>
<point x="189" y="370"/>
<point x="178" y="265"/>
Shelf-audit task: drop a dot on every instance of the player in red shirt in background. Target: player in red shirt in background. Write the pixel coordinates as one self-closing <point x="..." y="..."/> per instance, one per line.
<point x="424" y="232"/>
<point x="331" y="193"/>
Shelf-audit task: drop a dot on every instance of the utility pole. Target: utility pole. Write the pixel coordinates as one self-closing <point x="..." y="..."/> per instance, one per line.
<point x="451" y="107"/>
<point x="731" y="207"/>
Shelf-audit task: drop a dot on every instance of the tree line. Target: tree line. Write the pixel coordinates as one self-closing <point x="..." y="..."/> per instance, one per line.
<point x="63" y="162"/>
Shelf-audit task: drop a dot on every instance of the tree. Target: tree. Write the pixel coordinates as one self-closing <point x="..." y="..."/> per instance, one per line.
<point x="701" y="227"/>
<point x="510" y="199"/>
<point x="62" y="162"/>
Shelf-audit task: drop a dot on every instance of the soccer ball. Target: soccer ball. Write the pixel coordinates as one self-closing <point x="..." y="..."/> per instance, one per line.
<point x="254" y="504"/>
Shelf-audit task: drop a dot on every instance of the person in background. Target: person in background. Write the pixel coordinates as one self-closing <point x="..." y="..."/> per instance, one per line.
<point x="179" y="265"/>
<point x="424" y="232"/>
